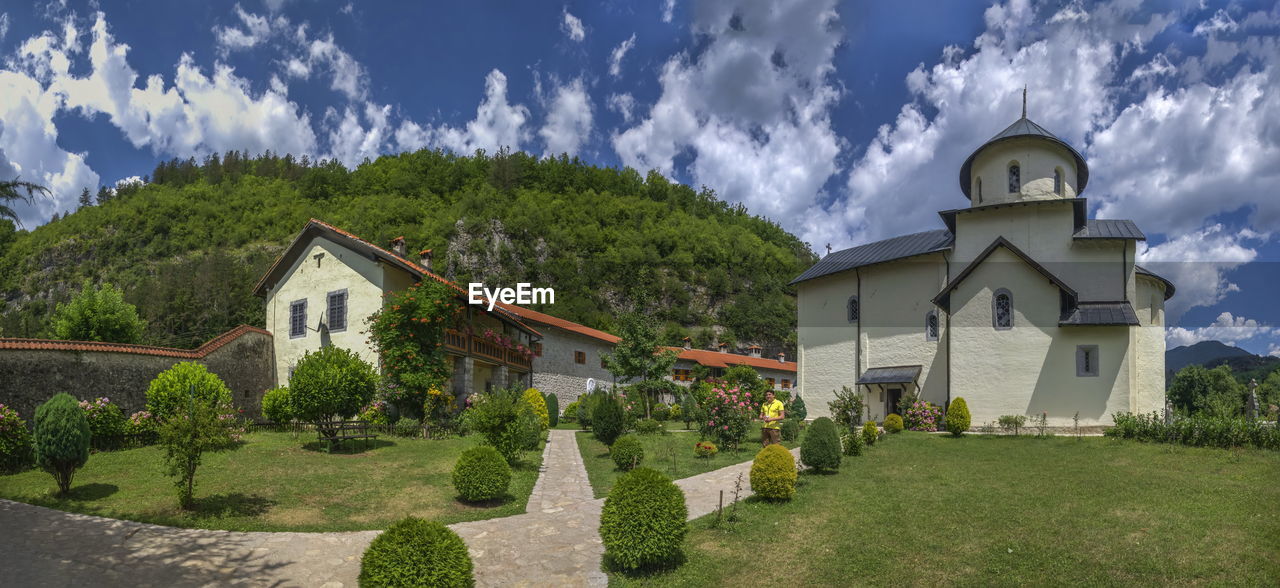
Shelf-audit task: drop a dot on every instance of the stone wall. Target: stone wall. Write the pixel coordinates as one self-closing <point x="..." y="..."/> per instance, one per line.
<point x="32" y="370"/>
<point x="556" y="372"/>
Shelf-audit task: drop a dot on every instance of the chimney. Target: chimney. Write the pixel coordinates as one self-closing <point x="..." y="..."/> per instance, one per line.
<point x="688" y="344"/>
<point x="424" y="259"/>
<point x="397" y="246"/>
<point x="724" y="347"/>
<point x="782" y="357"/>
<point x="754" y="351"/>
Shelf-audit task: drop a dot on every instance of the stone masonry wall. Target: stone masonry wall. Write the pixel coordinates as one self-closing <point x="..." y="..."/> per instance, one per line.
<point x="33" y="371"/>
<point x="555" y="371"/>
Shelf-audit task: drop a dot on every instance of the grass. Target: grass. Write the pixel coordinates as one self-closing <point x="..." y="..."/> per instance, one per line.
<point x="924" y="510"/>
<point x="659" y="451"/>
<point x="276" y="482"/>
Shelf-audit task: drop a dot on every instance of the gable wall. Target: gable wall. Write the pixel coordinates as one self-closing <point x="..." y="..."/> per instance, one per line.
<point x="556" y="372"/>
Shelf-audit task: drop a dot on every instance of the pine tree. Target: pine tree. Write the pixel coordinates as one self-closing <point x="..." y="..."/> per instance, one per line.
<point x="86" y="198"/>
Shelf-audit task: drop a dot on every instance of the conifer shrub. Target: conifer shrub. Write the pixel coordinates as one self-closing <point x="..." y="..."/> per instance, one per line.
<point x="643" y="521"/>
<point x="571" y="412"/>
<point x="893" y="424"/>
<point x="853" y="444"/>
<point x="275" y="405"/>
<point x="870" y="434"/>
<point x="538" y="404"/>
<point x="416" y="552"/>
<point x="773" y="473"/>
<point x="481" y="474"/>
<point x="820" y="448"/>
<point x="61" y="438"/>
<point x="607" y="419"/>
<point x="17" y="451"/>
<point x="790" y="429"/>
<point x="796" y="409"/>
<point x="957" y="419"/>
<point x="626" y="452"/>
<point x="553" y="410"/>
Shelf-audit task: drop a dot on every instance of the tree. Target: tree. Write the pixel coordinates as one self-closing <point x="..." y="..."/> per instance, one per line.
<point x="1215" y="391"/>
<point x="98" y="314"/>
<point x="639" y="355"/>
<point x="104" y="195"/>
<point x="86" y="198"/>
<point x="61" y="438"/>
<point x="198" y="425"/>
<point x="329" y="384"/>
<point x="12" y="191"/>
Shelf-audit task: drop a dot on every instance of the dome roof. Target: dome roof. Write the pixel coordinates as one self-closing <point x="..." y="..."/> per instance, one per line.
<point x="1023" y="127"/>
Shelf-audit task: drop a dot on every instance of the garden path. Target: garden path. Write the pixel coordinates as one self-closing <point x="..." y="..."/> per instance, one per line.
<point x="556" y="543"/>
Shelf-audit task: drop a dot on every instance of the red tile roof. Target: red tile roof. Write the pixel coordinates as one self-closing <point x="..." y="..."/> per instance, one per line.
<point x="723" y="360"/>
<point x="197" y="353"/>
<point x="546" y="319"/>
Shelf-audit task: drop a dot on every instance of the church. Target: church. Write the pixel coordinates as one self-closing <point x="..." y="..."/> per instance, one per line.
<point x="1022" y="305"/>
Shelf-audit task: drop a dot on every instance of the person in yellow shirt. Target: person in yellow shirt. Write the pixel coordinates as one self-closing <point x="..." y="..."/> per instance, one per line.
<point x="771" y="412"/>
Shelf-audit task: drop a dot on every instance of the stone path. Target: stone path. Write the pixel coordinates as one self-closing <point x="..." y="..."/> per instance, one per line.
<point x="556" y="543"/>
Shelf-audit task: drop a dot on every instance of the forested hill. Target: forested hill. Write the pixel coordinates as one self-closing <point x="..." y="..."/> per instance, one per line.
<point x="188" y="247"/>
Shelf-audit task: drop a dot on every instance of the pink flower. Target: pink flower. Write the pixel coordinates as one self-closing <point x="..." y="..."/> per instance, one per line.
<point x="726" y="427"/>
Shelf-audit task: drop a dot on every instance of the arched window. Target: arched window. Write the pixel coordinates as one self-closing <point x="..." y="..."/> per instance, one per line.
<point x="1015" y="178"/>
<point x="1002" y="310"/>
<point x="977" y="185"/>
<point x="931" y="325"/>
<point x="1057" y="181"/>
<point x="855" y="313"/>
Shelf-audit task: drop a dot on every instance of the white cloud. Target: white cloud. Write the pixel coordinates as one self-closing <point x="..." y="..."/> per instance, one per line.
<point x="569" y="120"/>
<point x="497" y="122"/>
<point x="256" y="30"/>
<point x="350" y="142"/>
<point x="411" y="136"/>
<point x="349" y="76"/>
<point x="752" y="107"/>
<point x="1220" y="23"/>
<point x="668" y="10"/>
<point x="1197" y="263"/>
<point x="1273" y="350"/>
<point x="619" y="52"/>
<point x="1227" y="328"/>
<point x="4" y="24"/>
<point x="572" y="27"/>
<point x="623" y="104"/>
<point x="347" y="8"/>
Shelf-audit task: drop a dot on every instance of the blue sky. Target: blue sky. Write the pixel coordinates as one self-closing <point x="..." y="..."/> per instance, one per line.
<point x="843" y="121"/>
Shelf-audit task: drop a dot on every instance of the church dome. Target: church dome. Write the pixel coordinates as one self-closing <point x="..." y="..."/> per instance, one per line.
<point x="1025" y="131"/>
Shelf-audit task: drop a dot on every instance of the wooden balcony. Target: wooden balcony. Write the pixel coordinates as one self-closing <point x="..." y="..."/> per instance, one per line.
<point x="462" y="344"/>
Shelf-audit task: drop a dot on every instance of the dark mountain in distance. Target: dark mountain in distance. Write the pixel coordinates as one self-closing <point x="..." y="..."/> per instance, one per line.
<point x="1202" y="353"/>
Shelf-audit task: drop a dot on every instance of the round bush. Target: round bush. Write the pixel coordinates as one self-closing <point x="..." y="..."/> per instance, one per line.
<point x="790" y="429"/>
<point x="331" y="382"/>
<point x="820" y="448"/>
<point x="407" y="427"/>
<point x="553" y="409"/>
<point x="173" y="387"/>
<point x="643" y="521"/>
<point x="570" y="412"/>
<point x="773" y="473"/>
<point x="17" y="452"/>
<point x="481" y="474"/>
<point x="957" y="419"/>
<point x="853" y="444"/>
<point x="275" y="405"/>
<point x="416" y="552"/>
<point x="607" y="419"/>
<point x="627" y="452"/>
<point x="661" y="412"/>
<point x="893" y="424"/>
<point x="61" y="438"/>
<point x="705" y="449"/>
<point x="870" y="434"/>
<point x="648" y="427"/>
<point x="538" y="404"/>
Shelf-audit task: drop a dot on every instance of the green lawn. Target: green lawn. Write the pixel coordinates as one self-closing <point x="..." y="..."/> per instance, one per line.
<point x="274" y="483"/>
<point x="925" y="510"/>
<point x="671" y="454"/>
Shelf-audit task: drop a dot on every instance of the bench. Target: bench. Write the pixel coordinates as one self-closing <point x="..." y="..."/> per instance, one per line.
<point x="345" y="430"/>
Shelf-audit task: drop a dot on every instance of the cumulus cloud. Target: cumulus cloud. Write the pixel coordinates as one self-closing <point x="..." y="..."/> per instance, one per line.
<point x="350" y="140"/>
<point x="572" y="27"/>
<point x="1273" y="350"/>
<point x="256" y="30"/>
<point x="623" y="104"/>
<point x="751" y="108"/>
<point x="568" y="121"/>
<point x="1198" y="262"/>
<point x="497" y="124"/>
<point x="305" y="53"/>
<point x="1220" y="23"/>
<point x="1227" y="328"/>
<point x="619" y="52"/>
<point x="668" y="10"/>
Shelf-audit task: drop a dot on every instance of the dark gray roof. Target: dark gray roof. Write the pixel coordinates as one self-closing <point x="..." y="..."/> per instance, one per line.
<point x="1110" y="229"/>
<point x="1023" y="127"/>
<point x="1101" y="313"/>
<point x="1168" y="286"/>
<point x="898" y="374"/>
<point x="879" y="252"/>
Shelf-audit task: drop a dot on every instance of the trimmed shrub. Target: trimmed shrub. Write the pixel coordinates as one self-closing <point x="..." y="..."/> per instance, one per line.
<point x="1198" y="430"/>
<point x="627" y="452"/>
<point x="275" y="405"/>
<point x="481" y="474"/>
<point x="661" y="412"/>
<point x="416" y="552"/>
<point x="407" y="427"/>
<point x="870" y="434"/>
<point x="61" y="438"/>
<point x="796" y="409"/>
<point x="893" y="424"/>
<point x="538" y="404"/>
<point x="17" y="452"/>
<point x="570" y="412"/>
<point x="853" y="444"/>
<point x="332" y="383"/>
<point x="820" y="448"/>
<point x="173" y="387"/>
<point x="529" y="425"/>
<point x="705" y="449"/>
<point x="649" y="427"/>
<point x="677" y="413"/>
<point x="790" y="429"/>
<point x="553" y="409"/>
<point x="607" y="419"/>
<point x="106" y="423"/>
<point x="495" y="416"/>
<point x="643" y="520"/>
<point x="773" y="473"/>
<point x="957" y="419"/>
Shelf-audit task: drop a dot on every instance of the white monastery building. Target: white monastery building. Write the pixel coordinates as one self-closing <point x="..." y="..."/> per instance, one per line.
<point x="1021" y="305"/>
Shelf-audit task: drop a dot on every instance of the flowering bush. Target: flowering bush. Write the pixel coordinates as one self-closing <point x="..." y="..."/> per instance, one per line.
<point x="142" y="428"/>
<point x="375" y="413"/>
<point x="506" y="342"/>
<point x="409" y="334"/>
<point x="705" y="449"/>
<point x="922" y="416"/>
<point x="729" y="415"/>
<point x="106" y="423"/>
<point x="16" y="450"/>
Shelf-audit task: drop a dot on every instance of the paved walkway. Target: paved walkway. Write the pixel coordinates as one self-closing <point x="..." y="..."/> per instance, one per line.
<point x="556" y="543"/>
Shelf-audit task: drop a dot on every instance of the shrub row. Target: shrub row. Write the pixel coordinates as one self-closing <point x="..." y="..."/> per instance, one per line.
<point x="1196" y="430"/>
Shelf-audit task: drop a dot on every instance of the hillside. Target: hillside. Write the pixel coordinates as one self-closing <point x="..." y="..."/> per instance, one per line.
<point x="188" y="247"/>
<point x="1211" y="354"/>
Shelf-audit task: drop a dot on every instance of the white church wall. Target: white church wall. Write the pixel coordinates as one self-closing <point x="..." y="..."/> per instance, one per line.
<point x="1150" y="344"/>
<point x="826" y="340"/>
<point x="1037" y="161"/>
<point x="895" y="298"/>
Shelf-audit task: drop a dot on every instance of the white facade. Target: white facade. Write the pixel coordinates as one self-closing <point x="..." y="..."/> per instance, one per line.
<point x="1037" y="308"/>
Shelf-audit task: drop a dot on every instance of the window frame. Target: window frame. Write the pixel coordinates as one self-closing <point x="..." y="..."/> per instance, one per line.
<point x="299" y="303"/>
<point x="1015" y="181"/>
<point x="978" y="184"/>
<point x="1059" y="183"/>
<point x="935" y="327"/>
<point x="346" y="298"/>
<point x="580" y="357"/>
<point x="786" y="384"/>
<point x="995" y="309"/>
<point x="1083" y="367"/>
<point x="853" y="309"/>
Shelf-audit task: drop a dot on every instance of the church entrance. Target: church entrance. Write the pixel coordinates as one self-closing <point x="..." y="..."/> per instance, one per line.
<point x="891" y="401"/>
